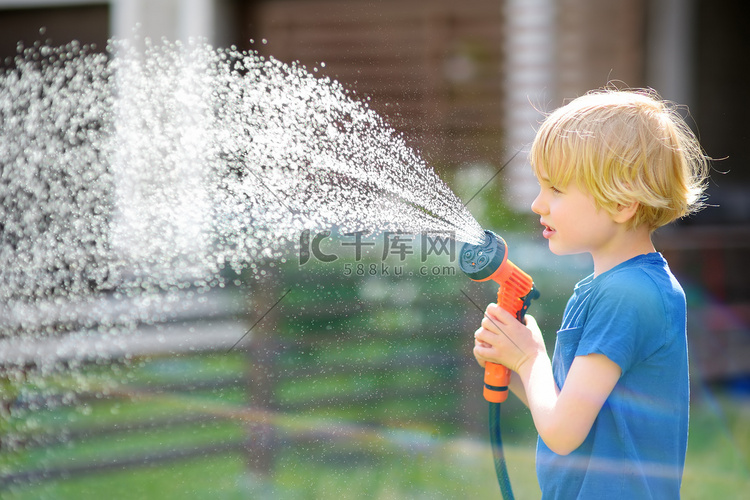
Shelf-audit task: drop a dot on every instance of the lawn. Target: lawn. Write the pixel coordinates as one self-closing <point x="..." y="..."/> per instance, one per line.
<point x="196" y="444"/>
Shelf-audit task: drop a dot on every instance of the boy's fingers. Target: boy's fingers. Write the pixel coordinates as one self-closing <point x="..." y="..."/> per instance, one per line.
<point x="479" y="359"/>
<point x="488" y="324"/>
<point x="482" y="343"/>
<point x="480" y="351"/>
<point x="481" y="338"/>
<point x="498" y="314"/>
<point x="495" y="323"/>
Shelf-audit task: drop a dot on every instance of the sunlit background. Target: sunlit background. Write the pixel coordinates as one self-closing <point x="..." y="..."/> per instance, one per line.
<point x="354" y="378"/>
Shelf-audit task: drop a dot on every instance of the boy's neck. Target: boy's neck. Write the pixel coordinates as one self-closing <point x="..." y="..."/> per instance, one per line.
<point x="627" y="245"/>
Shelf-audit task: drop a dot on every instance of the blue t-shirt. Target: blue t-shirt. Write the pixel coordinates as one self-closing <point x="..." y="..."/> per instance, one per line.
<point x="635" y="314"/>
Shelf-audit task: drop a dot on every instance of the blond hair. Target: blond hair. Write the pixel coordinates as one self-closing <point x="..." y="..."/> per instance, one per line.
<point x="624" y="147"/>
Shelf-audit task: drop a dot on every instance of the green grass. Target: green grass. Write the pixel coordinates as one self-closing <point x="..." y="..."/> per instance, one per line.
<point x="718" y="461"/>
<point x="408" y="455"/>
<point x="211" y="477"/>
<point x="395" y="464"/>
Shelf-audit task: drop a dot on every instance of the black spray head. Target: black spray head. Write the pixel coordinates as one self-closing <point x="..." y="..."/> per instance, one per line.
<point x="481" y="261"/>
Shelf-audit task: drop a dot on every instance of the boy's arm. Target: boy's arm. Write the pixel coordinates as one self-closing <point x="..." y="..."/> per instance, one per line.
<point x="564" y="417"/>
<point x="516" y="387"/>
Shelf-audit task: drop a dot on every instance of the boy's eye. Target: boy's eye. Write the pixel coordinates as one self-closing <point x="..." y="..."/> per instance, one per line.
<point x="547" y="184"/>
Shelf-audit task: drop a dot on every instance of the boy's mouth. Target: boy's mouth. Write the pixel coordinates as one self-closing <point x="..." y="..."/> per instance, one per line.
<point x="548" y="230"/>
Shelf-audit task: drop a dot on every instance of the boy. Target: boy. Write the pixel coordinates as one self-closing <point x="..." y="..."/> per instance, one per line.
<point x="611" y="407"/>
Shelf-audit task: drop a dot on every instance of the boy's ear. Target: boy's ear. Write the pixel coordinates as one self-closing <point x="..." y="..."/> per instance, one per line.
<point x="626" y="212"/>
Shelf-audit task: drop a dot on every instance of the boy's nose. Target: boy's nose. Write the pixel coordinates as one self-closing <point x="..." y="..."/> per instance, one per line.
<point x="537" y="206"/>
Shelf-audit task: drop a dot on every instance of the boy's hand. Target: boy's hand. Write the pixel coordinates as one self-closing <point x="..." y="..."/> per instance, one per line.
<point x="504" y="340"/>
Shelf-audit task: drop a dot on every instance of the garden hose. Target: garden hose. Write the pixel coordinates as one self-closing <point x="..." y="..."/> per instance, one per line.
<point x="489" y="261"/>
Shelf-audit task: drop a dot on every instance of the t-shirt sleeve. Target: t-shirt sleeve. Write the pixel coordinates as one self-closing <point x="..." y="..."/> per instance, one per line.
<point x="626" y="320"/>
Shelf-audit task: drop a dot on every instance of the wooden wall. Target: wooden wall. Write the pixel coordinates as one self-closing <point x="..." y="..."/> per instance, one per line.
<point x="432" y="68"/>
<point x="599" y="41"/>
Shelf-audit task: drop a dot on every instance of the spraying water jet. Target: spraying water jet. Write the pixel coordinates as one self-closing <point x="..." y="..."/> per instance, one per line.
<point x="127" y="175"/>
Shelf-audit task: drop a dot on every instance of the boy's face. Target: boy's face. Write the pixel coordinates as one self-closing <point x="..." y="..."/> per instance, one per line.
<point x="572" y="221"/>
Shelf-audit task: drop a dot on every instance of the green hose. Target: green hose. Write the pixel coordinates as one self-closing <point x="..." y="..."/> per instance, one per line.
<point x="497" y="452"/>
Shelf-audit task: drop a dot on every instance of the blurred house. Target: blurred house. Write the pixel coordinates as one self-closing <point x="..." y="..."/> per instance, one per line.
<point x="467" y="82"/>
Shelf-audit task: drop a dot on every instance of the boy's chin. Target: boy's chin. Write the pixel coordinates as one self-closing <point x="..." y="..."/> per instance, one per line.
<point x="557" y="250"/>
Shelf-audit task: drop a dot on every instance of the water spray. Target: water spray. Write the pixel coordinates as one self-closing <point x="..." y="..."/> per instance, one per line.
<point x="484" y="262"/>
